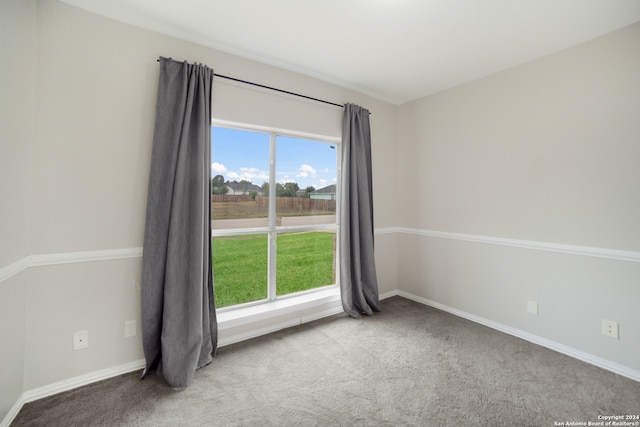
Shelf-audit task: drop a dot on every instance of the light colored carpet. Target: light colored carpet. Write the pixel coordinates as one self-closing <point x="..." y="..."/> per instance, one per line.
<point x="408" y="365"/>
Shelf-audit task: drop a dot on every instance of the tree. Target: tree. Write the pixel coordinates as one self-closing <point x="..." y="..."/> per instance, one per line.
<point x="307" y="191"/>
<point x="217" y="181"/>
<point x="291" y="189"/>
<point x="217" y="185"/>
<point x="288" y="189"/>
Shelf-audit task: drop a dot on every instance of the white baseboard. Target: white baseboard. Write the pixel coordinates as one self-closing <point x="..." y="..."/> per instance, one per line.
<point x="103" y="374"/>
<point x="552" y="345"/>
<point x="388" y="294"/>
<point x="13" y="412"/>
<point x="69" y="384"/>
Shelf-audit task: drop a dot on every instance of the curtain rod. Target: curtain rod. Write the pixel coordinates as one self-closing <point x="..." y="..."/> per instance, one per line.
<point x="222" y="76"/>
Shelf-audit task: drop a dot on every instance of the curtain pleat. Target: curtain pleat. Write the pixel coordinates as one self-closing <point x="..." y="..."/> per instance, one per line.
<point x="179" y="328"/>
<point x="358" y="281"/>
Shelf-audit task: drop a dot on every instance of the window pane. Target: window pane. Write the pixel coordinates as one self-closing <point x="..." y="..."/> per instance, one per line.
<point x="305" y="179"/>
<point x="306" y="182"/>
<point x="239" y="268"/>
<point x="239" y="170"/>
<point x="305" y="261"/>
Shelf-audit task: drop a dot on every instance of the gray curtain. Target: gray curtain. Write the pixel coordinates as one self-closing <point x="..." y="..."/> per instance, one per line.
<point x="358" y="282"/>
<point x="179" y="329"/>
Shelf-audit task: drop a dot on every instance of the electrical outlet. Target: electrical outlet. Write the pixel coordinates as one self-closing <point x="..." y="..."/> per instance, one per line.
<point x="80" y="340"/>
<point x="532" y="307"/>
<point x="610" y="328"/>
<point x="130" y="328"/>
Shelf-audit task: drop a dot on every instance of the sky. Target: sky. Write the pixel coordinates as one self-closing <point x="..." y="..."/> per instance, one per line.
<point x="239" y="154"/>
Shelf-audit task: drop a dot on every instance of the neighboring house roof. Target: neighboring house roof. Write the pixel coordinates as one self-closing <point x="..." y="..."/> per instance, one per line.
<point x="236" y="186"/>
<point x="330" y="189"/>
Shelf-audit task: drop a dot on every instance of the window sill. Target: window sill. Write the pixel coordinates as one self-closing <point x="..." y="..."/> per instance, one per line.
<point x="243" y="323"/>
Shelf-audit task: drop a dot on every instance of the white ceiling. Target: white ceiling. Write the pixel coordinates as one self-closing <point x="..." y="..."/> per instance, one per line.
<point x="395" y="50"/>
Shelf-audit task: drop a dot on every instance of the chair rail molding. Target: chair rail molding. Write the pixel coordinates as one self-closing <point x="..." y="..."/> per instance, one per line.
<point x="22" y="264"/>
<point x="617" y="254"/>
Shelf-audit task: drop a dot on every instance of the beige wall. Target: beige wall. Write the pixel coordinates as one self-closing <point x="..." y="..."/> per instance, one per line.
<point x="17" y="109"/>
<point x="77" y="162"/>
<point x="17" y="100"/>
<point x="96" y="103"/>
<point x="546" y="151"/>
<point x="93" y="296"/>
<point x="12" y="336"/>
<point x="549" y="152"/>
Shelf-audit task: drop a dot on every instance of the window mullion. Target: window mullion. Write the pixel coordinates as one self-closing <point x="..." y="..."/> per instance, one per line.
<point x="338" y="208"/>
<point x="271" y="293"/>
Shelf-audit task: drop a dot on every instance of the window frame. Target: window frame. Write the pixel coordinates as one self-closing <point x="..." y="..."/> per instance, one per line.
<point x="272" y="229"/>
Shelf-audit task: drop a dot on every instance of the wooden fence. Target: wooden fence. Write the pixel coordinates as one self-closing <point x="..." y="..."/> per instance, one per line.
<point x="230" y="198"/>
<point x="299" y="203"/>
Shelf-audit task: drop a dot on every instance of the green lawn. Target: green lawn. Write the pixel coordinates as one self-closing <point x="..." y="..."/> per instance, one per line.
<point x="304" y="261"/>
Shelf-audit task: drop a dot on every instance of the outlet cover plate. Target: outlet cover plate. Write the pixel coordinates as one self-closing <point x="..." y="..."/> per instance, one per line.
<point x="610" y="328"/>
<point x="80" y="340"/>
<point x="130" y="328"/>
<point x="532" y="307"/>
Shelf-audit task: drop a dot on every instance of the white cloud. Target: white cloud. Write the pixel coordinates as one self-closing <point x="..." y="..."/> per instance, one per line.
<point x="218" y="168"/>
<point x="254" y="175"/>
<point x="285" y="179"/>
<point x="306" y="171"/>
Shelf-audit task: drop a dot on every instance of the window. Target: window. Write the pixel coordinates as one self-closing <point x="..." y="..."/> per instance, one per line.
<point x="274" y="205"/>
